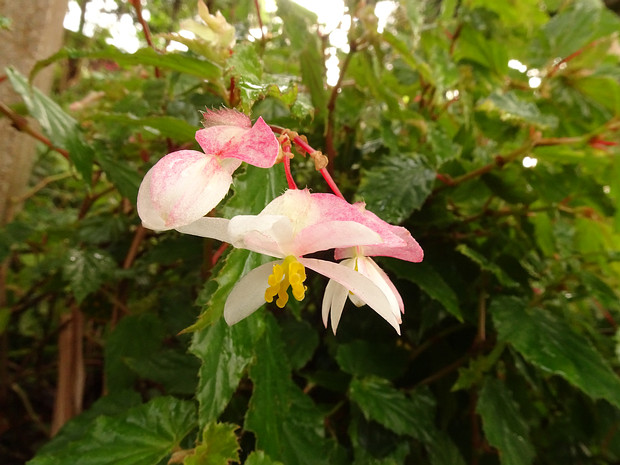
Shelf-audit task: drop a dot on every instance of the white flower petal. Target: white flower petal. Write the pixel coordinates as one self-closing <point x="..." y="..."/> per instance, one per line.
<point x="365" y="266"/>
<point x="336" y="304"/>
<point x="266" y="234"/>
<point x="248" y="295"/>
<point x="356" y="283"/>
<point x="182" y="187"/>
<point x="331" y="234"/>
<point x="215" y="228"/>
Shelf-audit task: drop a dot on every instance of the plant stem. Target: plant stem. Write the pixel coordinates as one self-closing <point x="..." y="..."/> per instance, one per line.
<point x="21" y="124"/>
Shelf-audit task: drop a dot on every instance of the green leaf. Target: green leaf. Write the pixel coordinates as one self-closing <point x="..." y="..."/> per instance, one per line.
<point x="381" y="402"/>
<point x="286" y="422"/>
<point x="473" y="45"/>
<point x="144" y="435"/>
<point x="301" y="341"/>
<point x="135" y="337"/>
<point x="87" y="270"/>
<point x="219" y="446"/>
<point x="164" y="126"/>
<point x="574" y="28"/>
<point x="126" y="179"/>
<point x="548" y="342"/>
<point x="62" y="130"/>
<point x="254" y="188"/>
<point x="430" y="281"/>
<point x="394" y="201"/>
<point x="258" y="457"/>
<point x="113" y="404"/>
<point x="225" y="352"/>
<point x="503" y="425"/>
<point x="186" y="64"/>
<point x="364" y="358"/>
<point x="443" y="451"/>
<point x="485" y="264"/>
<point x="173" y="370"/>
<point x="312" y="75"/>
<point x="510" y="108"/>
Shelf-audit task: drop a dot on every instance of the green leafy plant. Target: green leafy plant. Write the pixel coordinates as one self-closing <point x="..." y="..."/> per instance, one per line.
<point x="489" y="130"/>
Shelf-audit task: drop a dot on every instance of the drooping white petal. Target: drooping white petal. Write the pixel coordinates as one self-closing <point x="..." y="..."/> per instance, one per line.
<point x="214" y="228"/>
<point x="248" y="295"/>
<point x="356" y="283"/>
<point x="328" y="296"/>
<point x="266" y="234"/>
<point x="333" y="303"/>
<point x="369" y="268"/>
<point x="389" y="282"/>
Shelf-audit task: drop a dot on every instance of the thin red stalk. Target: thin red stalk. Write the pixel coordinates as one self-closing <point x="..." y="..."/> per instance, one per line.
<point x="147" y="31"/>
<point x="218" y="253"/>
<point x="302" y="144"/>
<point x="331" y="183"/>
<point x="287" y="170"/>
<point x="260" y="20"/>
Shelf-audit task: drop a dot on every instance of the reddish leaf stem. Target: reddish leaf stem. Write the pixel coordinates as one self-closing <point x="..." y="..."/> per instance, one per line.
<point x="260" y="20"/>
<point x="287" y="168"/>
<point x="147" y="31"/>
<point x="21" y="124"/>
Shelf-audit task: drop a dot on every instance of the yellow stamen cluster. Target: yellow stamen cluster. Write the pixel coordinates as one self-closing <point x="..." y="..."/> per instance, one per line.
<point x="289" y="273"/>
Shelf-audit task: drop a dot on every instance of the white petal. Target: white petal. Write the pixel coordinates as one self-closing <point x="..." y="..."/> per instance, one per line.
<point x="390" y="284"/>
<point x="327" y="301"/>
<point x="365" y="266"/>
<point x="337" y="305"/>
<point x="266" y="234"/>
<point x="215" y="228"/>
<point x="331" y="234"/>
<point x="182" y="187"/>
<point x="248" y="295"/>
<point x="356" y="283"/>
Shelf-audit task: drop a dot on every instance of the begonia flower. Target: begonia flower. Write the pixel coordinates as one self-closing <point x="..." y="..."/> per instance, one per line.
<point x="293" y="225"/>
<point x="185" y="185"/>
<point x="396" y="242"/>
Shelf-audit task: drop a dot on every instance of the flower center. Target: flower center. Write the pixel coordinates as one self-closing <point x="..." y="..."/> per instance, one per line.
<point x="289" y="273"/>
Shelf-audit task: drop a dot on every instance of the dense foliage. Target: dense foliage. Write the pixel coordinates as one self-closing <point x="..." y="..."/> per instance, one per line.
<point x="488" y="129"/>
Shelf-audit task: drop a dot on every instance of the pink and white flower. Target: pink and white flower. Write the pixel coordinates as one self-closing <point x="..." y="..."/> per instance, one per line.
<point x="185" y="185"/>
<point x="293" y="225"/>
<point x="396" y="242"/>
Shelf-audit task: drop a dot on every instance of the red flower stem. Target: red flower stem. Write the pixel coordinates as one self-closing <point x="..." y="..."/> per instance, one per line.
<point x="331" y="183"/>
<point x="218" y="253"/>
<point x="302" y="144"/>
<point x="287" y="168"/>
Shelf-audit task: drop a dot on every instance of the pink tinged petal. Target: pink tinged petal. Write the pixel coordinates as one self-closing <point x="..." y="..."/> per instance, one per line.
<point x="369" y="268"/>
<point x="333" y="303"/>
<point x="248" y="295"/>
<point x="225" y="117"/>
<point x="396" y="240"/>
<point x="356" y="283"/>
<point x="411" y="251"/>
<point x="182" y="187"/>
<point x="214" y="228"/>
<point x="332" y="234"/>
<point x="257" y="146"/>
<point x="267" y="234"/>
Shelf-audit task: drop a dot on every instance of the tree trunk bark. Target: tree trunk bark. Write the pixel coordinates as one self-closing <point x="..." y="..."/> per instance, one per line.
<point x="35" y="33"/>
